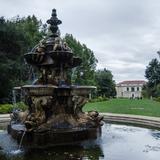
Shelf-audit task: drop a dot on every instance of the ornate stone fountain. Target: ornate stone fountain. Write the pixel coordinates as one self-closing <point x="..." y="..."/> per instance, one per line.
<point x="54" y="115"/>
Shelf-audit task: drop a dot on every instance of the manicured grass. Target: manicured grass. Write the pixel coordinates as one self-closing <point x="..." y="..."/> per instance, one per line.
<point x="126" y="106"/>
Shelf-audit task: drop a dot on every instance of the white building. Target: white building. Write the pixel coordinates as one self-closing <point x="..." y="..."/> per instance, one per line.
<point x="130" y="89"/>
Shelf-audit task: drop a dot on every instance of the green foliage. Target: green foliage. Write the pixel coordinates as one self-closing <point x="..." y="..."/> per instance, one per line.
<point x="152" y="73"/>
<point x="32" y="28"/>
<point x="98" y="99"/>
<point x="20" y="105"/>
<point x="17" y="37"/>
<point x="105" y="83"/>
<point x="6" y="108"/>
<point x="157" y="90"/>
<point x="85" y="73"/>
<point x="146" y="91"/>
<point x="157" y="99"/>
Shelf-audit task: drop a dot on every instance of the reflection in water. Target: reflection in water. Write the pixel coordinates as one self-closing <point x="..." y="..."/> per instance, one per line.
<point x="3" y="126"/>
<point x="149" y="148"/>
<point x="118" y="142"/>
<point x="155" y="134"/>
<point x="87" y="150"/>
<point x="57" y="153"/>
<point x="68" y="153"/>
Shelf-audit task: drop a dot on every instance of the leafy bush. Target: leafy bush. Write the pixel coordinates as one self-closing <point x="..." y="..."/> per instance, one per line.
<point x="157" y="99"/>
<point x="99" y="99"/>
<point x="20" y="105"/>
<point x="8" y="108"/>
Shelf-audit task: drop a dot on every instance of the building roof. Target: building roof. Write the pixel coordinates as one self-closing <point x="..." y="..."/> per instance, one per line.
<point x="132" y="82"/>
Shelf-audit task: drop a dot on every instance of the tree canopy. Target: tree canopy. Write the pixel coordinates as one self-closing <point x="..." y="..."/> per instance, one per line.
<point x="152" y="73"/>
<point x="105" y="83"/>
<point x="17" y="36"/>
<point x="85" y="73"/>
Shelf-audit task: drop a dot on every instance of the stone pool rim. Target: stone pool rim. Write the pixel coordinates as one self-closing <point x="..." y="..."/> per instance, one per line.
<point x="134" y="120"/>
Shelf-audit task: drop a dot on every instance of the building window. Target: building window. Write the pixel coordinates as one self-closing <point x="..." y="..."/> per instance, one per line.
<point x="132" y="89"/>
<point x="137" y="88"/>
<point x="127" y="88"/>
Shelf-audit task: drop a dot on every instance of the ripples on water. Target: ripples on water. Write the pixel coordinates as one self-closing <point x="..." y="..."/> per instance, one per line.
<point x="118" y="142"/>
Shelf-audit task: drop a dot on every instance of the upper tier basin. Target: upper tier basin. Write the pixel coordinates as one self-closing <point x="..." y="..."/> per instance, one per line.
<point x="40" y="90"/>
<point x="53" y="58"/>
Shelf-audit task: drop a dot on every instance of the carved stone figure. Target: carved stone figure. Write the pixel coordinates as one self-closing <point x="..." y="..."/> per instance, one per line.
<point x="40" y="54"/>
<point x="57" y="45"/>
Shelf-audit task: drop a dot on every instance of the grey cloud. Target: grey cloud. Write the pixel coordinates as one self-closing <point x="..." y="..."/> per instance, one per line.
<point x="123" y="34"/>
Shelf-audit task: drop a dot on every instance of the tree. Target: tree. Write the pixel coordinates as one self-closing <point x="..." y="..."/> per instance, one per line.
<point x="152" y="73"/>
<point x="33" y="29"/>
<point x="105" y="83"/>
<point x="16" y="38"/>
<point x="85" y="73"/>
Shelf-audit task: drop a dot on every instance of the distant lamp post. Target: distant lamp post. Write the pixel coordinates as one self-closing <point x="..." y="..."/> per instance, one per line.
<point x="158" y="53"/>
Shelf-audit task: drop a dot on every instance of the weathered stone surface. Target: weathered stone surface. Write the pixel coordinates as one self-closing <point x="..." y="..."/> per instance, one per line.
<point x="54" y="115"/>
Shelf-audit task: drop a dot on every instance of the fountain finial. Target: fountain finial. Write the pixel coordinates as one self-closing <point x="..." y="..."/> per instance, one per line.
<point x="54" y="22"/>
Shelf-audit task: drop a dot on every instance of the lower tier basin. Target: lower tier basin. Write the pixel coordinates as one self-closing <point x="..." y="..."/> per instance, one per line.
<point x="54" y="137"/>
<point x="47" y="90"/>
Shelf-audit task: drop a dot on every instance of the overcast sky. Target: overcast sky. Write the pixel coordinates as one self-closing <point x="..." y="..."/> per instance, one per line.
<point x="124" y="34"/>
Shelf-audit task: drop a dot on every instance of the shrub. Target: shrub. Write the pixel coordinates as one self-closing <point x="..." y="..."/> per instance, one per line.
<point x="8" y="108"/>
<point x="21" y="105"/>
<point x="157" y="99"/>
<point x="99" y="99"/>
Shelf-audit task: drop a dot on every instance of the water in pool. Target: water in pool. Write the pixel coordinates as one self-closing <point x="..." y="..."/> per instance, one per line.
<point x="118" y="142"/>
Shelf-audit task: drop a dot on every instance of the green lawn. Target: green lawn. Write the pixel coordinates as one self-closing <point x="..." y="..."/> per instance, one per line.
<point x="126" y="106"/>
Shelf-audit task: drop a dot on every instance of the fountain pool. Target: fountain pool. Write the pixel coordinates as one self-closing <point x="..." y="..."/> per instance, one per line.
<point x="118" y="142"/>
